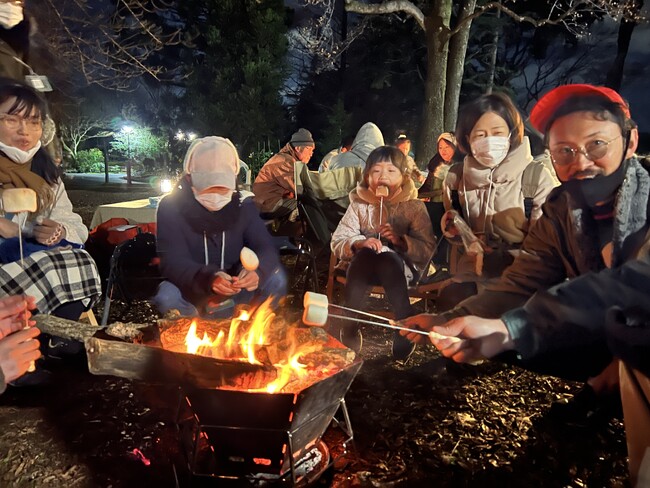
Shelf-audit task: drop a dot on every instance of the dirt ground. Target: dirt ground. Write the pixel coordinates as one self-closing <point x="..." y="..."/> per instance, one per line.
<point x="426" y="423"/>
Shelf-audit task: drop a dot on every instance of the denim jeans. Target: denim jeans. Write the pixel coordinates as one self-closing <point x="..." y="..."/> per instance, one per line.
<point x="169" y="297"/>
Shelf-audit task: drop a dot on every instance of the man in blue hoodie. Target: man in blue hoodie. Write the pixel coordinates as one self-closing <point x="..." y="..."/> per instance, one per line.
<point x="202" y="227"/>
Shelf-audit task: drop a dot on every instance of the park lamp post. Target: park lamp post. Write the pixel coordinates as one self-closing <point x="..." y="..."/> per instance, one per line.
<point x="127" y="129"/>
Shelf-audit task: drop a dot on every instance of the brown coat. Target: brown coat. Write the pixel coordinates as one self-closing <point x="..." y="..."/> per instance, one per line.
<point x="276" y="180"/>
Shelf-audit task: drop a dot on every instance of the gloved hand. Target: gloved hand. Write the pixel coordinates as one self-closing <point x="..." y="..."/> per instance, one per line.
<point x="11" y="14"/>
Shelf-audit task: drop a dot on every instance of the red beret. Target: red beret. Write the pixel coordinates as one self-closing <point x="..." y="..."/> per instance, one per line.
<point x="545" y="108"/>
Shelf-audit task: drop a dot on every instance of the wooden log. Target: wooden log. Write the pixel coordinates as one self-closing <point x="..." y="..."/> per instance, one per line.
<point x="154" y="364"/>
<point x="80" y="331"/>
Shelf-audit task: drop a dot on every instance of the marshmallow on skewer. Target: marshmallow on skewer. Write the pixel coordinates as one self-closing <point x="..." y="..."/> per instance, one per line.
<point x="312" y="298"/>
<point x="381" y="191"/>
<point x="249" y="259"/>
<point x="314" y="315"/>
<point x="18" y="200"/>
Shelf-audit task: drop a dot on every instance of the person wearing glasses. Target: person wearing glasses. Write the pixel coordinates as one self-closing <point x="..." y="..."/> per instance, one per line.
<point x="598" y="218"/>
<point x="60" y="275"/>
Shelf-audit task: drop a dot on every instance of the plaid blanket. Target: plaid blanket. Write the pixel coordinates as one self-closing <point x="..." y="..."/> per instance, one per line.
<point x="53" y="277"/>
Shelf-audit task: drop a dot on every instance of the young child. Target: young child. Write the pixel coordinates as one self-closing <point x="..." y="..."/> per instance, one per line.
<point x="383" y="240"/>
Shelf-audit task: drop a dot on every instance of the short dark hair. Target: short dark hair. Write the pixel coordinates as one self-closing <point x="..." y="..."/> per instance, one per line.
<point x="500" y="104"/>
<point x="28" y="100"/>
<point x="600" y="107"/>
<point x="347" y="141"/>
<point x="384" y="154"/>
<point x="400" y="136"/>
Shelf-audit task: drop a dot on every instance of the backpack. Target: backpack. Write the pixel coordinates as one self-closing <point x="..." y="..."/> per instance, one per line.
<point x="529" y="184"/>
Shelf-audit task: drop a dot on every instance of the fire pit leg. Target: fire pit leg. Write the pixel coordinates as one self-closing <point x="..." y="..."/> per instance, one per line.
<point x="292" y="462"/>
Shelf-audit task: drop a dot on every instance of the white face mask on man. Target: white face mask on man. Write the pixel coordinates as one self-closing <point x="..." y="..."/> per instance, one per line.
<point x="490" y="151"/>
<point x="214" y="201"/>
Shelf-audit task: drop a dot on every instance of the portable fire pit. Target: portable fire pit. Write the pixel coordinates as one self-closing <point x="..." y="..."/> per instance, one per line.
<point x="256" y="394"/>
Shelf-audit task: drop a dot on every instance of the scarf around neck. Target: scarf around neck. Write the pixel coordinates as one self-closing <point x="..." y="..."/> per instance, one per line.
<point x="15" y="175"/>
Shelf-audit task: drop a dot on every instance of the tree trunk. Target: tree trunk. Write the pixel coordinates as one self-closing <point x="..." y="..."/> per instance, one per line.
<point x="456" y="65"/>
<point x="437" y="38"/>
<point x="615" y="73"/>
<point x="494" y="51"/>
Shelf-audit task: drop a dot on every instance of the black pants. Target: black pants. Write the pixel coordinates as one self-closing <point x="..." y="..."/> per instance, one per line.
<point x="385" y="269"/>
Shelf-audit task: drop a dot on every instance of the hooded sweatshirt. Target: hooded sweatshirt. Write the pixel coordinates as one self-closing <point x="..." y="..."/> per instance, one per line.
<point x="368" y="138"/>
<point x="194" y="243"/>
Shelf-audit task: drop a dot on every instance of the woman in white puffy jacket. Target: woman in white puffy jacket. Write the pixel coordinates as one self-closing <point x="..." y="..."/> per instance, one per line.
<point x="383" y="240"/>
<point x="490" y="191"/>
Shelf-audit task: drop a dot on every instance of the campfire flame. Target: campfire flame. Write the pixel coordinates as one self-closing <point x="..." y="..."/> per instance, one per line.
<point x="245" y="336"/>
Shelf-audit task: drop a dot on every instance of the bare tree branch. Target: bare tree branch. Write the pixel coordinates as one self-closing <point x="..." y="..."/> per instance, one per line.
<point x="389" y="7"/>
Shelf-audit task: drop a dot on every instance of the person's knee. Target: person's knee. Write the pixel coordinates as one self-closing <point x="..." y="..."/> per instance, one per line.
<point x="169" y="297"/>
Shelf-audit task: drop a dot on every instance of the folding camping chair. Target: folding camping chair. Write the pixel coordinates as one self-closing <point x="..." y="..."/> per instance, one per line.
<point x="426" y="287"/>
<point x="133" y="271"/>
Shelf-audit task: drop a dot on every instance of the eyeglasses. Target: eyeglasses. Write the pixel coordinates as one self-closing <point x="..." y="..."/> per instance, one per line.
<point x="13" y="122"/>
<point x="593" y="150"/>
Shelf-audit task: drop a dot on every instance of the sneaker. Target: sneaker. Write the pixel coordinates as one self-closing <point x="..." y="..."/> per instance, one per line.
<point x="402" y="347"/>
<point x="351" y="337"/>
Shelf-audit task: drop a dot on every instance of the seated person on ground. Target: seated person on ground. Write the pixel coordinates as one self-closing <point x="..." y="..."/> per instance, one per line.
<point x="495" y="191"/>
<point x="18" y="345"/>
<point x="275" y="185"/>
<point x="202" y="227"/>
<point x="383" y="240"/>
<point x="62" y="277"/>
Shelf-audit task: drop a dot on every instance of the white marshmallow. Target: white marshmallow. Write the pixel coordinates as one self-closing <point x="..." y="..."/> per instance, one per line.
<point x="312" y="298"/>
<point x="249" y="259"/>
<point x="314" y="315"/>
<point x="16" y="200"/>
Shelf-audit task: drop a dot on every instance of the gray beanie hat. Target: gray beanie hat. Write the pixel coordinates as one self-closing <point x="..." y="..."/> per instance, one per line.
<point x="302" y="137"/>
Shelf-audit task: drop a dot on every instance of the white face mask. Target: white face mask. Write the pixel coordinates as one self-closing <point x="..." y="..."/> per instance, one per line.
<point x="18" y="155"/>
<point x="491" y="151"/>
<point x="10" y="15"/>
<point x="214" y="201"/>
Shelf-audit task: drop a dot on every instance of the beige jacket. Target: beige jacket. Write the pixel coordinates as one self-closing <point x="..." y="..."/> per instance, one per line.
<point x="403" y="211"/>
<point x="492" y="203"/>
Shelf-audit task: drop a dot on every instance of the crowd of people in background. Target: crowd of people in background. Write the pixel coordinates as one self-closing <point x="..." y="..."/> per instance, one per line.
<point x="546" y="251"/>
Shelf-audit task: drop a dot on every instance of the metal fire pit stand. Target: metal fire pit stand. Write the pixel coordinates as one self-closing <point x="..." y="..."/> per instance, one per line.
<point x="200" y="479"/>
<point x="237" y="436"/>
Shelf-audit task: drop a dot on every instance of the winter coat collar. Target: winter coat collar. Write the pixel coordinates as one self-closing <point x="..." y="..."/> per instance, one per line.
<point x="631" y="212"/>
<point x="366" y="195"/>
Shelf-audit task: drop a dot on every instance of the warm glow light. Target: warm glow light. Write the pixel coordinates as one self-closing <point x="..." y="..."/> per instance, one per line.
<point x="180" y="135"/>
<point x="166" y="185"/>
<point x="191" y="136"/>
<point x="242" y="340"/>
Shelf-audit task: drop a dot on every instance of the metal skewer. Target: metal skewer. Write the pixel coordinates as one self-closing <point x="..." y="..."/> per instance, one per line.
<point x="388" y="326"/>
<point x="386" y="319"/>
